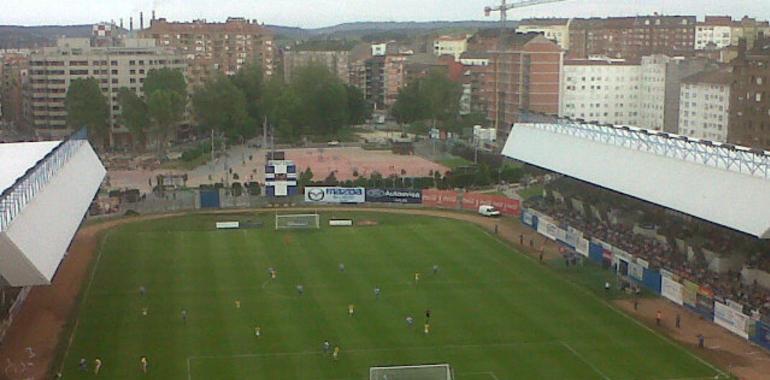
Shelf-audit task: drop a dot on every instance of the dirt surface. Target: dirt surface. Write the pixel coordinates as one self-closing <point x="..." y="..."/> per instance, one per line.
<point x="43" y="317"/>
<point x="730" y="352"/>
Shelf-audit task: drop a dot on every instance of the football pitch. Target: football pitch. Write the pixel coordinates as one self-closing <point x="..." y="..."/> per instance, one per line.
<point x="495" y="314"/>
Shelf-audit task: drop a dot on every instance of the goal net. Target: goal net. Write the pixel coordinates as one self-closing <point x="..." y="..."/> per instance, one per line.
<point x="415" y="372"/>
<point x="297" y="221"/>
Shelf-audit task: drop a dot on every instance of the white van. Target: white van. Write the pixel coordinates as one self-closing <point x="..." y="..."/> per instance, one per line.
<point x="487" y="210"/>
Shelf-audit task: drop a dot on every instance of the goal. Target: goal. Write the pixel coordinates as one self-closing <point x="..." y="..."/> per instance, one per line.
<point x="297" y="221"/>
<point x="413" y="372"/>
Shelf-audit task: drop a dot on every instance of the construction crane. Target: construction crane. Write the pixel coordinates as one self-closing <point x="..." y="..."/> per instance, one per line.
<point x="503" y="8"/>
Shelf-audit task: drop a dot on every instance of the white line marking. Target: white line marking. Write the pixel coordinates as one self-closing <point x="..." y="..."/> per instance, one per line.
<point x="638" y="323"/>
<point x="488" y="373"/>
<point x="86" y="293"/>
<point x="364" y="350"/>
<point x="582" y="359"/>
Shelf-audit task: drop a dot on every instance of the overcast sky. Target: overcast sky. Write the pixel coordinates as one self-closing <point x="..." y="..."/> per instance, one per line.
<point x="317" y="13"/>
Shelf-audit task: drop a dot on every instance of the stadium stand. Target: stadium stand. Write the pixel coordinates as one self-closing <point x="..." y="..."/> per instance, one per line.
<point x="45" y="190"/>
<point x="653" y="166"/>
<point x="622" y="224"/>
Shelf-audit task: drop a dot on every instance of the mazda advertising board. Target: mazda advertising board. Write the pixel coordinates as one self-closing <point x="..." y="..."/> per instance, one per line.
<point x="334" y="195"/>
<point x="394" y="195"/>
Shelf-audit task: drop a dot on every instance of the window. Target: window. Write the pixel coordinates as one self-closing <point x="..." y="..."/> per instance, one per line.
<point x="132" y="72"/>
<point x="132" y="62"/>
<point x="132" y="80"/>
<point x="114" y="80"/>
<point x="114" y="72"/>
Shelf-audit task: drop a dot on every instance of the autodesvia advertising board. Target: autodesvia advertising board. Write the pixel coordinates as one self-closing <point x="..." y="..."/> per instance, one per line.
<point x="335" y="195"/>
<point x="394" y="195"/>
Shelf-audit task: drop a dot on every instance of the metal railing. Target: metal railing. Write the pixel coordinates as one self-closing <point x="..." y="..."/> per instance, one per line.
<point x="15" y="198"/>
<point x="723" y="156"/>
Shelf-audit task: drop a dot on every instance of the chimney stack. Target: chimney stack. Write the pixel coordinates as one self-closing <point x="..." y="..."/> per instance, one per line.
<point x="121" y="23"/>
<point x="153" y="16"/>
<point x="141" y="21"/>
<point x="131" y="24"/>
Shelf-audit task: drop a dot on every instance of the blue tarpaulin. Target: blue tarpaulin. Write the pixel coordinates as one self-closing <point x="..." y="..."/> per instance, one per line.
<point x="652" y="280"/>
<point x="761" y="334"/>
<point x="595" y="252"/>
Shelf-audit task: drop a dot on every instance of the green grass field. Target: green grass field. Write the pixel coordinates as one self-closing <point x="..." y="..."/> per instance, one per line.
<point x="496" y="314"/>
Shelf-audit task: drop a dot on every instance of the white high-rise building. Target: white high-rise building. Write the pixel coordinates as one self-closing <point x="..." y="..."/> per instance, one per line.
<point x="448" y="45"/>
<point x="716" y="32"/>
<point x="601" y="90"/>
<point x="653" y="92"/>
<point x="555" y="29"/>
<point x="705" y="105"/>
<point x="52" y="69"/>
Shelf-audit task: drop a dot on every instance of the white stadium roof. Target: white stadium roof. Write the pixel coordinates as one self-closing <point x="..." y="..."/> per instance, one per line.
<point x="17" y="158"/>
<point x="721" y="183"/>
<point x="46" y="189"/>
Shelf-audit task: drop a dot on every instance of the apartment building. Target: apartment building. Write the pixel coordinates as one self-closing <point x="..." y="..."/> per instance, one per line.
<point x="475" y="68"/>
<point x="749" y="29"/>
<point x="632" y="37"/>
<point x="53" y="69"/>
<point x="336" y="61"/>
<point x="705" y="105"/>
<point x="749" y="103"/>
<point x="450" y="45"/>
<point x="660" y="84"/>
<point x="216" y="47"/>
<point x="601" y="90"/>
<point x="522" y="76"/>
<point x="716" y="32"/>
<point x="14" y="77"/>
<point x="554" y="29"/>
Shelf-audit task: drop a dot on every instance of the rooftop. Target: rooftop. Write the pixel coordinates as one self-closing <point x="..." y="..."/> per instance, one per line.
<point x="543" y="21"/>
<point x="723" y="77"/>
<point x="17" y="158"/>
<point x="600" y="62"/>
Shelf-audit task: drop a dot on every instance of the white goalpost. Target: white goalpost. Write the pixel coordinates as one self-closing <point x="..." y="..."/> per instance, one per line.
<point x="297" y="221"/>
<point x="412" y="372"/>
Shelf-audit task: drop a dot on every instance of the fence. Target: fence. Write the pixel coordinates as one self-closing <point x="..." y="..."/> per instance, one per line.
<point x="699" y="299"/>
<point x="13" y="199"/>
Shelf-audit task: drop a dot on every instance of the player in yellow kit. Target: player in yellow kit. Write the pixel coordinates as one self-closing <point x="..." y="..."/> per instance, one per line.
<point x="351" y="309"/>
<point x="97" y="365"/>
<point x="336" y="353"/>
<point x="416" y="277"/>
<point x="257" y="331"/>
<point x="143" y="364"/>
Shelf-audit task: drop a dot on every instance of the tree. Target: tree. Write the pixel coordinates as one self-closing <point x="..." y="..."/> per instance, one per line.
<point x="250" y="81"/>
<point x="164" y="112"/>
<point x="433" y="97"/>
<point x="87" y="108"/>
<point x="134" y="115"/>
<point x="165" y="92"/>
<point x="167" y="79"/>
<point x="410" y="105"/>
<point x="220" y="105"/>
<point x="306" y="177"/>
<point x="442" y="97"/>
<point x="358" y="108"/>
<point x="323" y="100"/>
